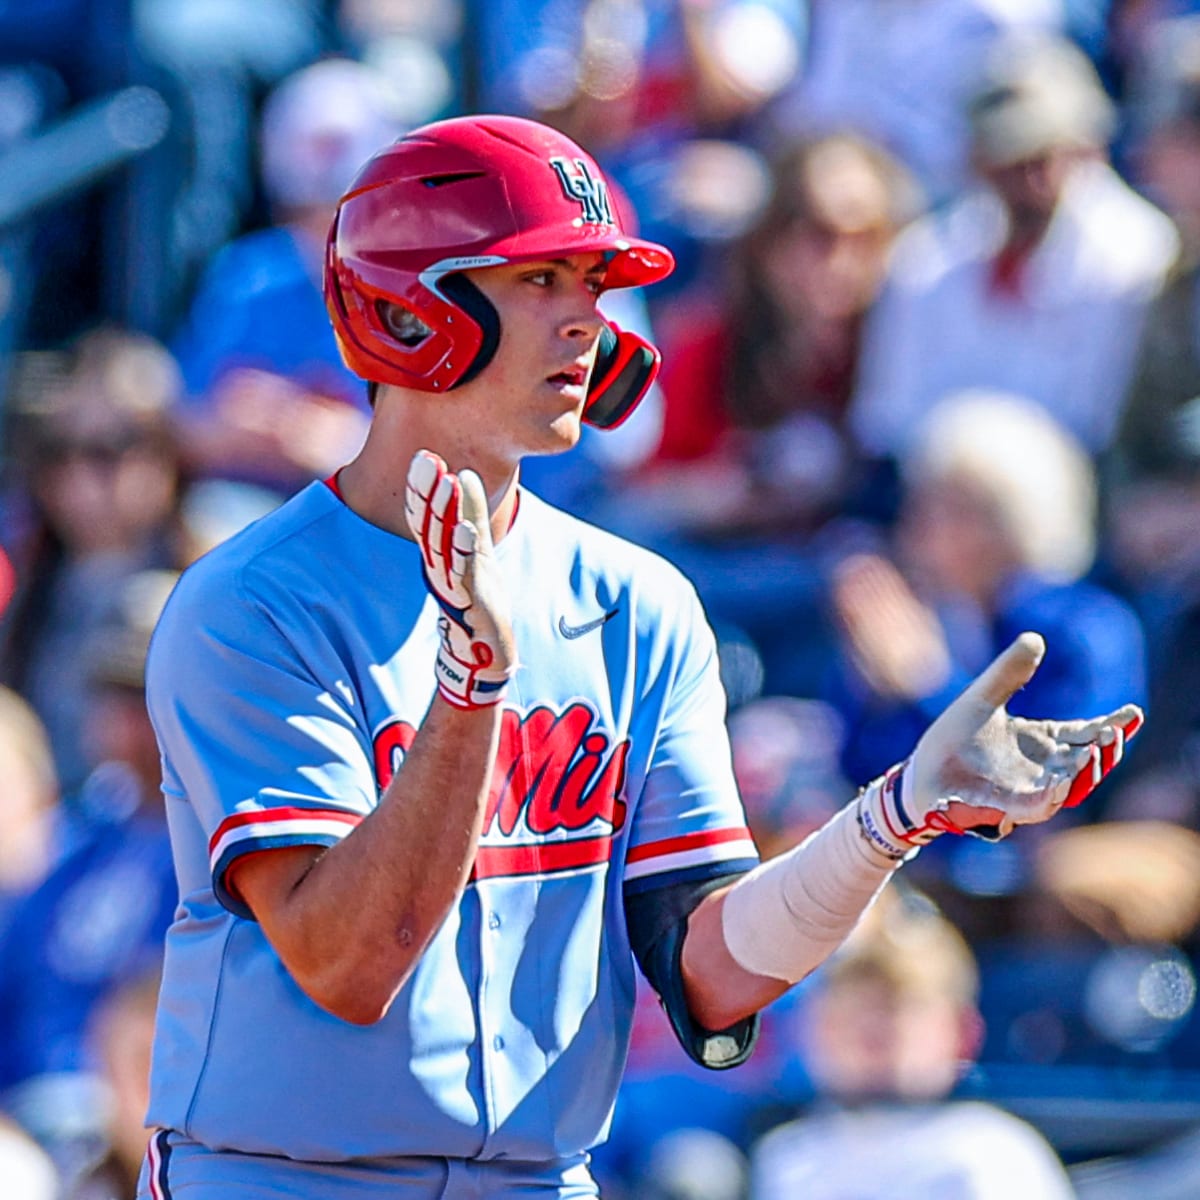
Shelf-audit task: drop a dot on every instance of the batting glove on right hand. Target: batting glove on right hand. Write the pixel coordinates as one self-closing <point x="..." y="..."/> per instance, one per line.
<point x="448" y="516"/>
<point x="978" y="770"/>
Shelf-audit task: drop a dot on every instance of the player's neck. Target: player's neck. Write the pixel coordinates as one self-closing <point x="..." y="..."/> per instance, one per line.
<point x="373" y="483"/>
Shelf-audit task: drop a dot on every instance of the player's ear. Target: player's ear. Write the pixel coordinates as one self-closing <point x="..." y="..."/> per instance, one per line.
<point x="626" y="365"/>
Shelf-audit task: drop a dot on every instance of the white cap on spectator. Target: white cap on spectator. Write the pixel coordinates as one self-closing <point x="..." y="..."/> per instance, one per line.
<point x="318" y="128"/>
<point x="1037" y="93"/>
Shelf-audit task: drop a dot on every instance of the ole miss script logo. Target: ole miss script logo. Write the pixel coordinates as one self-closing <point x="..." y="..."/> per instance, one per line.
<point x="555" y="800"/>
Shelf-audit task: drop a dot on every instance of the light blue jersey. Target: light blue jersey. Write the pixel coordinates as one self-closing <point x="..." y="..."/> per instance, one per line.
<point x="286" y="681"/>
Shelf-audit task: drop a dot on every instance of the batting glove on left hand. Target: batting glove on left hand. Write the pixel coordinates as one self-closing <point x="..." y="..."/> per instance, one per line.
<point x="978" y="770"/>
<point x="448" y="516"/>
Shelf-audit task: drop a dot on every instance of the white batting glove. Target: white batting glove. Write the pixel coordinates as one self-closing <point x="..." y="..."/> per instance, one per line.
<point x="977" y="770"/>
<point x="448" y="516"/>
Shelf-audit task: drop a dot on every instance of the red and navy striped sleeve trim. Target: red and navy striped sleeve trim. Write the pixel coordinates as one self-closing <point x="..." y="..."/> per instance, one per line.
<point x="158" y="1156"/>
<point x="690" y="856"/>
<point x="270" y="829"/>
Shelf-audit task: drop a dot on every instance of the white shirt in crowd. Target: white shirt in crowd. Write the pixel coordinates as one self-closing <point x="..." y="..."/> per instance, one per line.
<point x="25" y="1172"/>
<point x="1066" y="339"/>
<point x="961" y="1150"/>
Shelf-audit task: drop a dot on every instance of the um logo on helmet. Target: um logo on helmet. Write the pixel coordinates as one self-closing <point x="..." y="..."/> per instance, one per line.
<point x="588" y="189"/>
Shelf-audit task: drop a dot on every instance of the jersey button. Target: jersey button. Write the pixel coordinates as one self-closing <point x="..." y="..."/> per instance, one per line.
<point x="497" y="1042"/>
<point x="493" y="920"/>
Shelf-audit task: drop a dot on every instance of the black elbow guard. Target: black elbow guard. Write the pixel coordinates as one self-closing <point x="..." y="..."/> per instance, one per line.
<point x="657" y="923"/>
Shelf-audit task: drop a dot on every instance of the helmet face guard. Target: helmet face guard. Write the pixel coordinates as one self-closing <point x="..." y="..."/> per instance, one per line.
<point x="459" y="195"/>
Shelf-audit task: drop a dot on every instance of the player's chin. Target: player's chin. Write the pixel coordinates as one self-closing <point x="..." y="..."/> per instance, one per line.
<point x="558" y="434"/>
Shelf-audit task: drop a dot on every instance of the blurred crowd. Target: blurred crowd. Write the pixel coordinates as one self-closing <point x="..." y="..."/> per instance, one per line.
<point x="931" y="377"/>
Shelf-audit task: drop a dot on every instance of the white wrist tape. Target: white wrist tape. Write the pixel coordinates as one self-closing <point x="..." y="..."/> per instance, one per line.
<point x="788" y="915"/>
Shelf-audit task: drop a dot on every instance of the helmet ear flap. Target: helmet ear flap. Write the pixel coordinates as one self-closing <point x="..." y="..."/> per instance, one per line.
<point x="458" y="289"/>
<point x="626" y="365"/>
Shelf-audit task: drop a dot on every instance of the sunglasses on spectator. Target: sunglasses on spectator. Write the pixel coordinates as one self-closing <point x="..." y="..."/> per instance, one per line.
<point x="99" y="451"/>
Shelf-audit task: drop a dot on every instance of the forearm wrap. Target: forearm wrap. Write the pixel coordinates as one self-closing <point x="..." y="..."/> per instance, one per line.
<point x="788" y="915"/>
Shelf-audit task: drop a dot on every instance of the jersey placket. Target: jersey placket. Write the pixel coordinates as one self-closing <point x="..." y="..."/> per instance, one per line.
<point x="507" y="908"/>
<point x="491" y="948"/>
<point x="490" y="1032"/>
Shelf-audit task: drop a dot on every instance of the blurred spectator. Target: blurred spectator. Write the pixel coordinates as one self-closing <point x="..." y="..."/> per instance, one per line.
<point x="99" y="476"/>
<point x="891" y="1026"/>
<point x="100" y="918"/>
<point x="1156" y="531"/>
<point x="786" y="758"/>
<point x="1164" y="116"/>
<point x="25" y="1172"/>
<point x="122" y="1032"/>
<point x="754" y="455"/>
<point x="996" y="535"/>
<point x="1159" y="434"/>
<point x="671" y="96"/>
<point x="29" y="813"/>
<point x="1039" y="283"/>
<point x="1152" y="475"/>
<point x="757" y="381"/>
<point x="1153" y="503"/>
<point x="268" y="397"/>
<point x="901" y="74"/>
<point x="1136" y="33"/>
<point x="612" y="68"/>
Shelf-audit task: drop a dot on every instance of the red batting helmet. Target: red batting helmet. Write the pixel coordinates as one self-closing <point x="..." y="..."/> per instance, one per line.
<point x="464" y="193"/>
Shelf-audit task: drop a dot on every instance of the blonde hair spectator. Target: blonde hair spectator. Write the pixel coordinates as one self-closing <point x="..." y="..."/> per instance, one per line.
<point x="1036" y="477"/>
<point x="908" y="967"/>
<point x="906" y="945"/>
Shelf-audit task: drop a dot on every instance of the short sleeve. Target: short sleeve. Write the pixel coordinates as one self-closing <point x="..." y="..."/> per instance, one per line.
<point x="689" y="824"/>
<point x="257" y="730"/>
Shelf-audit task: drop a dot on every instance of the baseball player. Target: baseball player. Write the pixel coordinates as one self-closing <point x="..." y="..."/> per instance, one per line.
<point x="440" y="761"/>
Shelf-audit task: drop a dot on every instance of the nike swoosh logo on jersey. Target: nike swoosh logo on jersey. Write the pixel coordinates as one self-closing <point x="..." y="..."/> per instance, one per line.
<point x="575" y="631"/>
